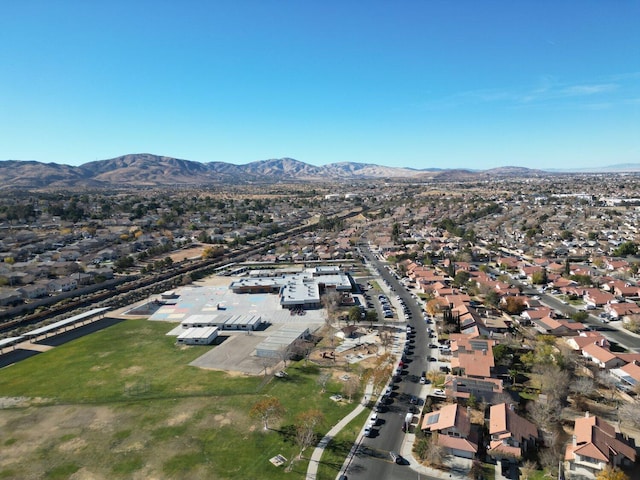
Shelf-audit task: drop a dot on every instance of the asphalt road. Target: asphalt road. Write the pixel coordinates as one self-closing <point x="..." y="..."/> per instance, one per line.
<point x="372" y="460"/>
<point x="614" y="335"/>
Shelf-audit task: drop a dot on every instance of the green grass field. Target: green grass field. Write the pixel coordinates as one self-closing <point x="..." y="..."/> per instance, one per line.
<point x="123" y="403"/>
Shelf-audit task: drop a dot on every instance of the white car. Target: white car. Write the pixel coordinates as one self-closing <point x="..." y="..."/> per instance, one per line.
<point x="438" y="391"/>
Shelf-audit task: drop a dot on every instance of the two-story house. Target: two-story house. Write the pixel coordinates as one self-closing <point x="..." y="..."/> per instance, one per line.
<point x="511" y="435"/>
<point x="451" y="427"/>
<point x="595" y="445"/>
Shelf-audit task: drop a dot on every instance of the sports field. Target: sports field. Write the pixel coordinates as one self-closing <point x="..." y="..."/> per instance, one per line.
<point x="123" y="403"/>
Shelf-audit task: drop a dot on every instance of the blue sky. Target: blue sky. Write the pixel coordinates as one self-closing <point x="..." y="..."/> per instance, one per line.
<point x="445" y="84"/>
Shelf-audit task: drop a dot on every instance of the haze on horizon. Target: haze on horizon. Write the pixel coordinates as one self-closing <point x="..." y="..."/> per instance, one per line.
<point x="416" y="84"/>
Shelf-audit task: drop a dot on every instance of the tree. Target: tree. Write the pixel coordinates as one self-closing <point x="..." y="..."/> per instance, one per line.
<point x="434" y="453"/>
<point x="611" y="473"/>
<point x="546" y="415"/>
<point x="629" y="412"/>
<point x="492" y="298"/>
<point x="539" y="277"/>
<point x="527" y="470"/>
<point x="461" y="278"/>
<point x="514" y="305"/>
<point x="371" y="317"/>
<point x="579" y="316"/>
<point x="355" y="314"/>
<point x="386" y="339"/>
<point x="554" y="381"/>
<point x="609" y="382"/>
<point x="266" y="409"/>
<point x="502" y="352"/>
<point x="350" y="387"/>
<point x="433" y="307"/>
<point x="322" y="380"/>
<point x="582" y="386"/>
<point x="624" y="249"/>
<point x="331" y="301"/>
<point x="306" y="423"/>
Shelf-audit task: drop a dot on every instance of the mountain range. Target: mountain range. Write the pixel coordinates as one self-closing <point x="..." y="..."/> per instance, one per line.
<point x="154" y="170"/>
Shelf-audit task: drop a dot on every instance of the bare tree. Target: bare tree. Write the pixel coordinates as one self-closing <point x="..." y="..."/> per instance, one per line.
<point x="322" y="380"/>
<point x="609" y="382"/>
<point x="331" y="302"/>
<point x="554" y="381"/>
<point x="549" y="460"/>
<point x="386" y="339"/>
<point x="434" y="454"/>
<point x="351" y="386"/>
<point x="306" y="424"/>
<point x="502" y="397"/>
<point x="546" y="414"/>
<point x="284" y="352"/>
<point x="527" y="470"/>
<point x="380" y="373"/>
<point x="583" y="386"/>
<point x="630" y="413"/>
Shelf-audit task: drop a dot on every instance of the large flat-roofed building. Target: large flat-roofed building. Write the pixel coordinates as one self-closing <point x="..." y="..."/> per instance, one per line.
<point x="296" y="290"/>
<point x="300" y="292"/>
<point x="198" y="336"/>
<point x="277" y="343"/>
<point x="223" y="322"/>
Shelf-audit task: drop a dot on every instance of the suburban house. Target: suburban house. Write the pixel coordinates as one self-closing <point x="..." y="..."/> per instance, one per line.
<point x="596" y="297"/>
<point x="601" y="356"/>
<point x="452" y="426"/>
<point x="483" y="389"/>
<point x="578" y="342"/>
<point x="595" y="445"/>
<point x="549" y="326"/>
<point x="629" y="375"/>
<point x="619" y="310"/>
<point x="511" y="435"/>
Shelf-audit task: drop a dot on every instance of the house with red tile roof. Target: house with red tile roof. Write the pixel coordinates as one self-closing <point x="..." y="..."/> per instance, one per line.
<point x="597" y="297"/>
<point x="620" y="288"/>
<point x="628" y="374"/>
<point x="474" y="363"/>
<point x="619" y="310"/>
<point x="452" y="427"/>
<point x="536" y="313"/>
<point x="511" y="435"/>
<point x="508" y="262"/>
<point x="616" y="265"/>
<point x="602" y="357"/>
<point x="562" y="282"/>
<point x="578" y="342"/>
<point x="596" y="445"/>
<point x="483" y="389"/>
<point x="549" y="326"/>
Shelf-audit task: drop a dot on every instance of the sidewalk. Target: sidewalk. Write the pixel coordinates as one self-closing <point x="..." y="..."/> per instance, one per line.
<point x="316" y="456"/>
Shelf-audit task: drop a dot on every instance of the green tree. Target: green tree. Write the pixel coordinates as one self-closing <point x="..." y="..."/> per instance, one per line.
<point x="461" y="278"/>
<point x="539" y="277"/>
<point x="626" y="248"/>
<point x="355" y="314"/>
<point x="580" y="316"/>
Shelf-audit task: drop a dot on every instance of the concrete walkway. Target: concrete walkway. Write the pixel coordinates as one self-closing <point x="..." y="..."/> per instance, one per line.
<point x="316" y="456"/>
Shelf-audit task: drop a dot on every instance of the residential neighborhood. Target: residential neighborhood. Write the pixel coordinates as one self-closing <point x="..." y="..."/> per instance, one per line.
<point x="527" y="296"/>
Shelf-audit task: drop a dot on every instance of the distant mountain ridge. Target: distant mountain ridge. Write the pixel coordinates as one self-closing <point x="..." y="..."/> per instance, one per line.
<point x="146" y="169"/>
